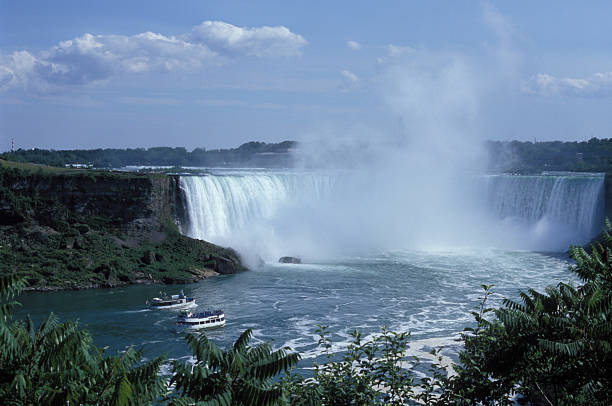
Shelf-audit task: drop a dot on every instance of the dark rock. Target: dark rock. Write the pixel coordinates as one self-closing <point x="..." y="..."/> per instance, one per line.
<point x="82" y="228"/>
<point x="40" y="237"/>
<point x="101" y="268"/>
<point x="124" y="278"/>
<point x="290" y="260"/>
<point x="148" y="257"/>
<point x="224" y="265"/>
<point x="68" y="243"/>
<point x="78" y="244"/>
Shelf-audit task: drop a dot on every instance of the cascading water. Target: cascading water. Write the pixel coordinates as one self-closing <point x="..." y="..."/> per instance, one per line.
<point x="543" y="212"/>
<point x="571" y="204"/>
<point x="219" y="205"/>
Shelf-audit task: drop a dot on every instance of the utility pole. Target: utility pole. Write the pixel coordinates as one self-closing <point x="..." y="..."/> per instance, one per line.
<point x="12" y="144"/>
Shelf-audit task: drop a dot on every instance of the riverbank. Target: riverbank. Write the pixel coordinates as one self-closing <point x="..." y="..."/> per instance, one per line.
<point x="83" y="229"/>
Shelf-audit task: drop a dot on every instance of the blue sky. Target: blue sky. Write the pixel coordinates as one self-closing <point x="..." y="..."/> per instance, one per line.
<point x="212" y="74"/>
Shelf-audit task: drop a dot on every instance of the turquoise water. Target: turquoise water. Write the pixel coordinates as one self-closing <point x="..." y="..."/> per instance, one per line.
<point x="429" y="294"/>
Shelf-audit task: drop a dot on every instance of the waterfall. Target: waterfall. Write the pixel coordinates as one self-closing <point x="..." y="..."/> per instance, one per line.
<point x="572" y="203"/>
<point x="219" y="205"/>
<point x="544" y="212"/>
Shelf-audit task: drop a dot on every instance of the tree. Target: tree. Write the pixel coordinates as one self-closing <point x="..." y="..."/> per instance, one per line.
<point x="240" y="375"/>
<point x="57" y="363"/>
<point x="372" y="372"/>
<point x="552" y="348"/>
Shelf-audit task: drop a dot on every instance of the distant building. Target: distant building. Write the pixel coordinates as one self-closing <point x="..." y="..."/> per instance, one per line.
<point x="81" y="166"/>
<point x="579" y="156"/>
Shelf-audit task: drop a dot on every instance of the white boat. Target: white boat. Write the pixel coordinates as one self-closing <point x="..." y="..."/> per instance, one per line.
<point x="208" y="319"/>
<point x="179" y="301"/>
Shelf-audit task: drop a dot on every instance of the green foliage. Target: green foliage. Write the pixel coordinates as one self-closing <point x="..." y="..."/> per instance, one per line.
<point x="250" y="153"/>
<point x="374" y="372"/>
<point x="553" y="348"/>
<point x="240" y="375"/>
<point x="594" y="155"/>
<point x="57" y="363"/>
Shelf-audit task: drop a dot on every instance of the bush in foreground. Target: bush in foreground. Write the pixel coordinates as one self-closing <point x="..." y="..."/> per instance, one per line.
<point x="58" y="364"/>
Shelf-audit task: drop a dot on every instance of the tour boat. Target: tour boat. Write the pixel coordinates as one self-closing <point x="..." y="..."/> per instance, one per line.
<point x="215" y="318"/>
<point x="172" y="302"/>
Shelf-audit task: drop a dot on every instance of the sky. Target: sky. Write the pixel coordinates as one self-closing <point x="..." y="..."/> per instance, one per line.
<point x="215" y="74"/>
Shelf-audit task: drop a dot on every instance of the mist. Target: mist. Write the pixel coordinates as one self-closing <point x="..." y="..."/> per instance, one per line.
<point x="420" y="185"/>
<point x="409" y="189"/>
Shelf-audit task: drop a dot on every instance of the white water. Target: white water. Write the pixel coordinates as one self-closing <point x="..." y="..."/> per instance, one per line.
<point x="224" y="208"/>
<point x="250" y="211"/>
<point x="567" y="207"/>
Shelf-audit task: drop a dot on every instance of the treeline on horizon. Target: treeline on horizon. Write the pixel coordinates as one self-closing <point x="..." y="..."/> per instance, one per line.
<point x="250" y="154"/>
<point x="594" y="155"/>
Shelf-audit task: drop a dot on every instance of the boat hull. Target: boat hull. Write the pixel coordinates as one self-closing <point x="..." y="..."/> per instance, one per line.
<point x="195" y="321"/>
<point x="181" y="325"/>
<point x="185" y="305"/>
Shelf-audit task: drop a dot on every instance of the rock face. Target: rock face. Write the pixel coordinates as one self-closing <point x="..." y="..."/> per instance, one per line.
<point x="608" y="196"/>
<point x="290" y="260"/>
<point x="132" y="205"/>
<point x="82" y="229"/>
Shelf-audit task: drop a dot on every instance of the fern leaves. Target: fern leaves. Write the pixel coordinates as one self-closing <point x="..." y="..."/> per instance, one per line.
<point x="57" y="363"/>
<point x="240" y="375"/>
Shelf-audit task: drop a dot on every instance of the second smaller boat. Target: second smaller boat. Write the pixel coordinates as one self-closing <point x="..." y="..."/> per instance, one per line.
<point x="179" y="301"/>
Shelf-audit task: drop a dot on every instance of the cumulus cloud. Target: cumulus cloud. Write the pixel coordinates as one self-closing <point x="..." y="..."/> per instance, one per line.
<point x="596" y="85"/>
<point x="94" y="58"/>
<point x="258" y="41"/>
<point x="350" y="76"/>
<point x="354" y="45"/>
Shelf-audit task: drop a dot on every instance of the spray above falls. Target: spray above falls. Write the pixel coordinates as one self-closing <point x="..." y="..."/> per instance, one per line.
<point x="275" y="214"/>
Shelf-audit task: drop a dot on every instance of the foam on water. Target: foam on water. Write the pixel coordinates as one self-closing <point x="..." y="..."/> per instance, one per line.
<point x="429" y="294"/>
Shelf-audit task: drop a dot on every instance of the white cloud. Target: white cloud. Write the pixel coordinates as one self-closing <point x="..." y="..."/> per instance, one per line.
<point x="15" y="68"/>
<point x="354" y="45"/>
<point x="94" y="58"/>
<point x="396" y="51"/>
<point x="258" y="41"/>
<point x="596" y="85"/>
<point x="350" y="76"/>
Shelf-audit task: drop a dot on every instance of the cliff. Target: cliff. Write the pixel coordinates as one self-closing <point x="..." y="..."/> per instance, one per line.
<point x="80" y="228"/>
<point x="608" y="196"/>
